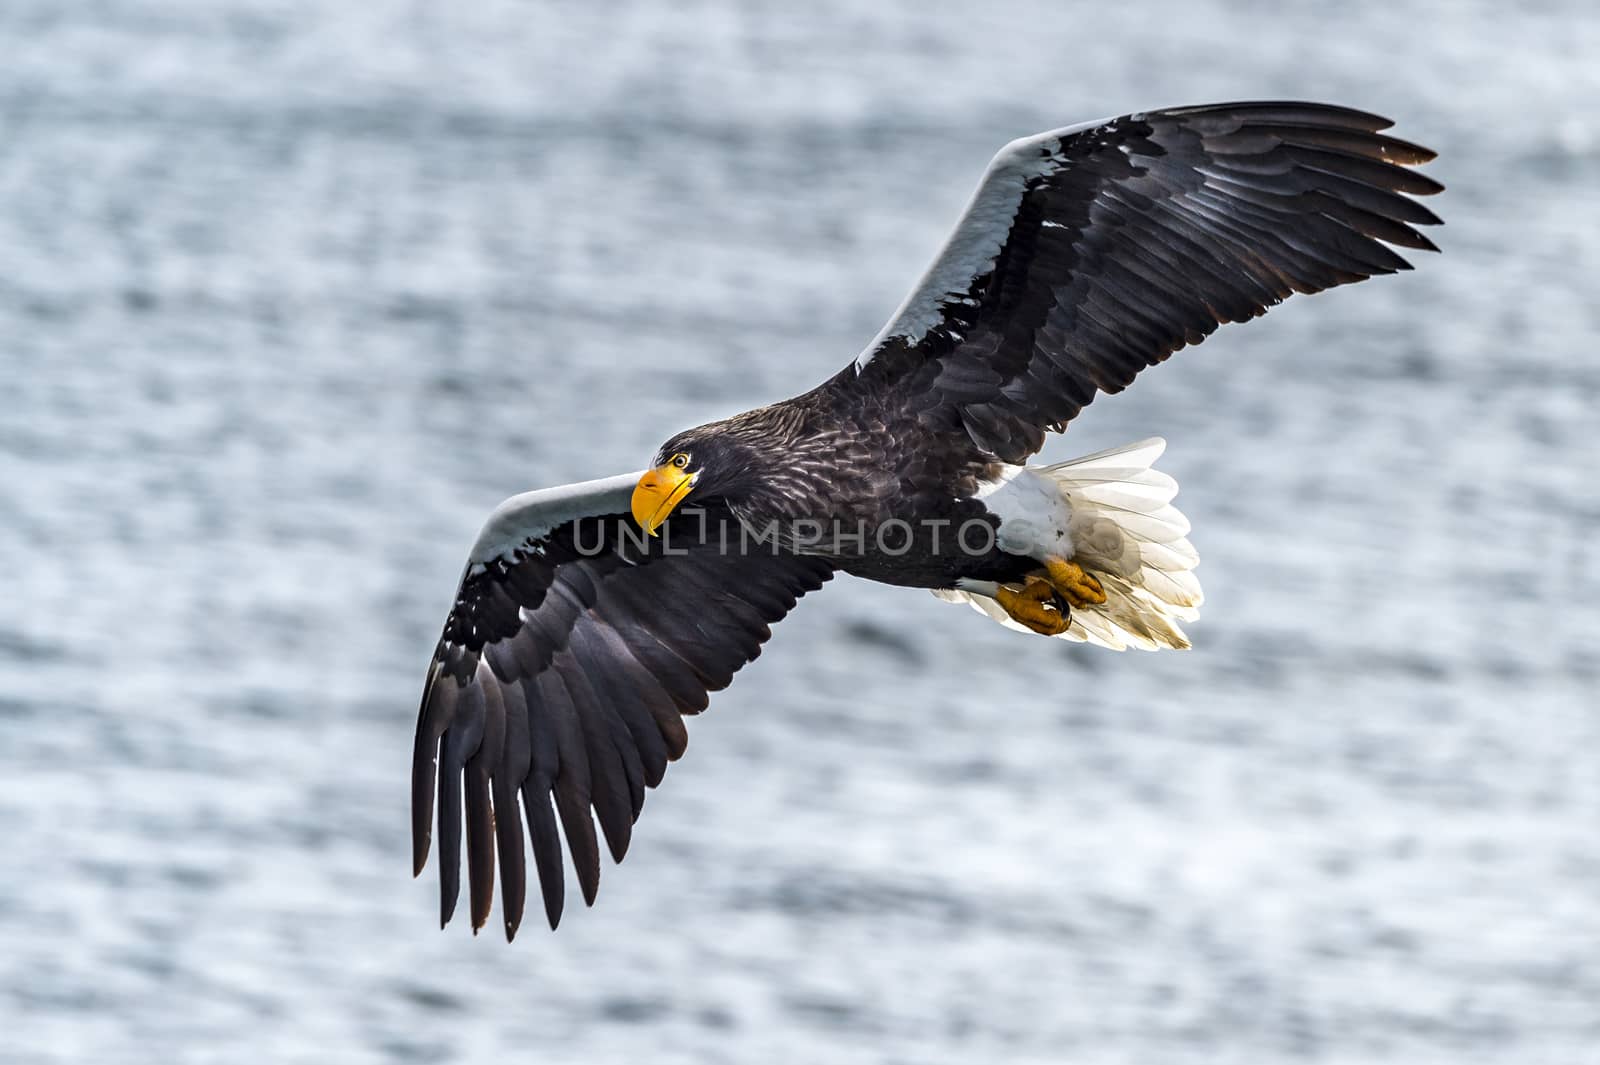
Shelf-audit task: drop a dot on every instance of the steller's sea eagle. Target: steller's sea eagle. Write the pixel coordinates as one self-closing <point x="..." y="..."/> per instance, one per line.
<point x="592" y="617"/>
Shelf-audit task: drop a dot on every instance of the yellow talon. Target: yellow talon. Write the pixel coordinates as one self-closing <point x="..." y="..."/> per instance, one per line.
<point x="1036" y="605"/>
<point x="1075" y="585"/>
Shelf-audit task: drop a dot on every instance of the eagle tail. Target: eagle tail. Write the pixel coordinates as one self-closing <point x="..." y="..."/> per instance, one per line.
<point x="1126" y="532"/>
<point x="1128" y="535"/>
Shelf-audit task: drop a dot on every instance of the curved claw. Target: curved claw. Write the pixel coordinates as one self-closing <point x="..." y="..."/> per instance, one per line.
<point x="1037" y="605"/>
<point x="1075" y="584"/>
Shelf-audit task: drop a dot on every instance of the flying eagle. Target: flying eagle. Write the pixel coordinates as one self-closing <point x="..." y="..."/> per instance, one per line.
<point x="593" y="616"/>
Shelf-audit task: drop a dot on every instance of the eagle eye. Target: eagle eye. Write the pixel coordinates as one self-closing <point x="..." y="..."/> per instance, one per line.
<point x="680" y="460"/>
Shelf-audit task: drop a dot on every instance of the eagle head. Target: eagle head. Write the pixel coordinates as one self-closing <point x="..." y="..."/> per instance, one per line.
<point x="710" y="461"/>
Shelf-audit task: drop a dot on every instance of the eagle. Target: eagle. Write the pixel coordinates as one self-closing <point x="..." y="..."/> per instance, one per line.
<point x="592" y="618"/>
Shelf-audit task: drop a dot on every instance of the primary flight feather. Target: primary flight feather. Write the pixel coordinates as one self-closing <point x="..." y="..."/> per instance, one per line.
<point x="592" y="617"/>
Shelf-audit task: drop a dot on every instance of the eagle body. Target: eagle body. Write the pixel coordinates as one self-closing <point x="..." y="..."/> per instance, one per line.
<point x="592" y="618"/>
<point x="887" y="493"/>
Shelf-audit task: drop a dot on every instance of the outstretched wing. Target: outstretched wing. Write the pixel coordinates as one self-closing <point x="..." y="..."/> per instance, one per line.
<point x="1092" y="252"/>
<point x="574" y="646"/>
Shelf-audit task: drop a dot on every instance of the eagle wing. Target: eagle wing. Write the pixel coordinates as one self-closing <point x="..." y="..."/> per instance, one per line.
<point x="573" y="649"/>
<point x="1091" y="252"/>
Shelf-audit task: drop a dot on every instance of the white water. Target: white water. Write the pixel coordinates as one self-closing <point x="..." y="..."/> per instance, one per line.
<point x="292" y="293"/>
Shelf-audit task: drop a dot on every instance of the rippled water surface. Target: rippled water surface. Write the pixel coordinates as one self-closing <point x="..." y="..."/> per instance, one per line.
<point x="291" y="293"/>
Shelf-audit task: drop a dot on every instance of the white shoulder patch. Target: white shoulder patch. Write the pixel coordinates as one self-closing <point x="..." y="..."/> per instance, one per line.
<point x="979" y="235"/>
<point x="975" y="243"/>
<point x="531" y="515"/>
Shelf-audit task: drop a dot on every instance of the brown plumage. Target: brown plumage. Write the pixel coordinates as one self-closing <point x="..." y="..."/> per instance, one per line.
<point x="576" y="645"/>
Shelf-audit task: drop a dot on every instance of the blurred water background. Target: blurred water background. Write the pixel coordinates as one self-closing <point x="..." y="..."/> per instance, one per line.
<point x="292" y="293"/>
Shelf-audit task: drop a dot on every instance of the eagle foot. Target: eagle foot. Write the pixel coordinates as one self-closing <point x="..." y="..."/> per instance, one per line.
<point x="1037" y="605"/>
<point x="1074" y="583"/>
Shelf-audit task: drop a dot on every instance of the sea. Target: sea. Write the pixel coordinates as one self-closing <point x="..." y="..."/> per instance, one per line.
<point x="292" y="293"/>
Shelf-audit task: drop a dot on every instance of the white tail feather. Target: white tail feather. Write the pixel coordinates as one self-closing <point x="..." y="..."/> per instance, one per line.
<point x="1127" y="533"/>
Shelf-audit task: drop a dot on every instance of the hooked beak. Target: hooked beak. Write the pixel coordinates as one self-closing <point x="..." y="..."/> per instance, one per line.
<point x="658" y="493"/>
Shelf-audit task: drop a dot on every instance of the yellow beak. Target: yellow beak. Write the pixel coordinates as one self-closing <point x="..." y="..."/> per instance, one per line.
<point x="658" y="493"/>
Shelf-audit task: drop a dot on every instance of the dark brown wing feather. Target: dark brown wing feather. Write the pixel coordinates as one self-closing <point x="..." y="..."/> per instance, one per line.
<point x="562" y="676"/>
<point x="1097" y="251"/>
